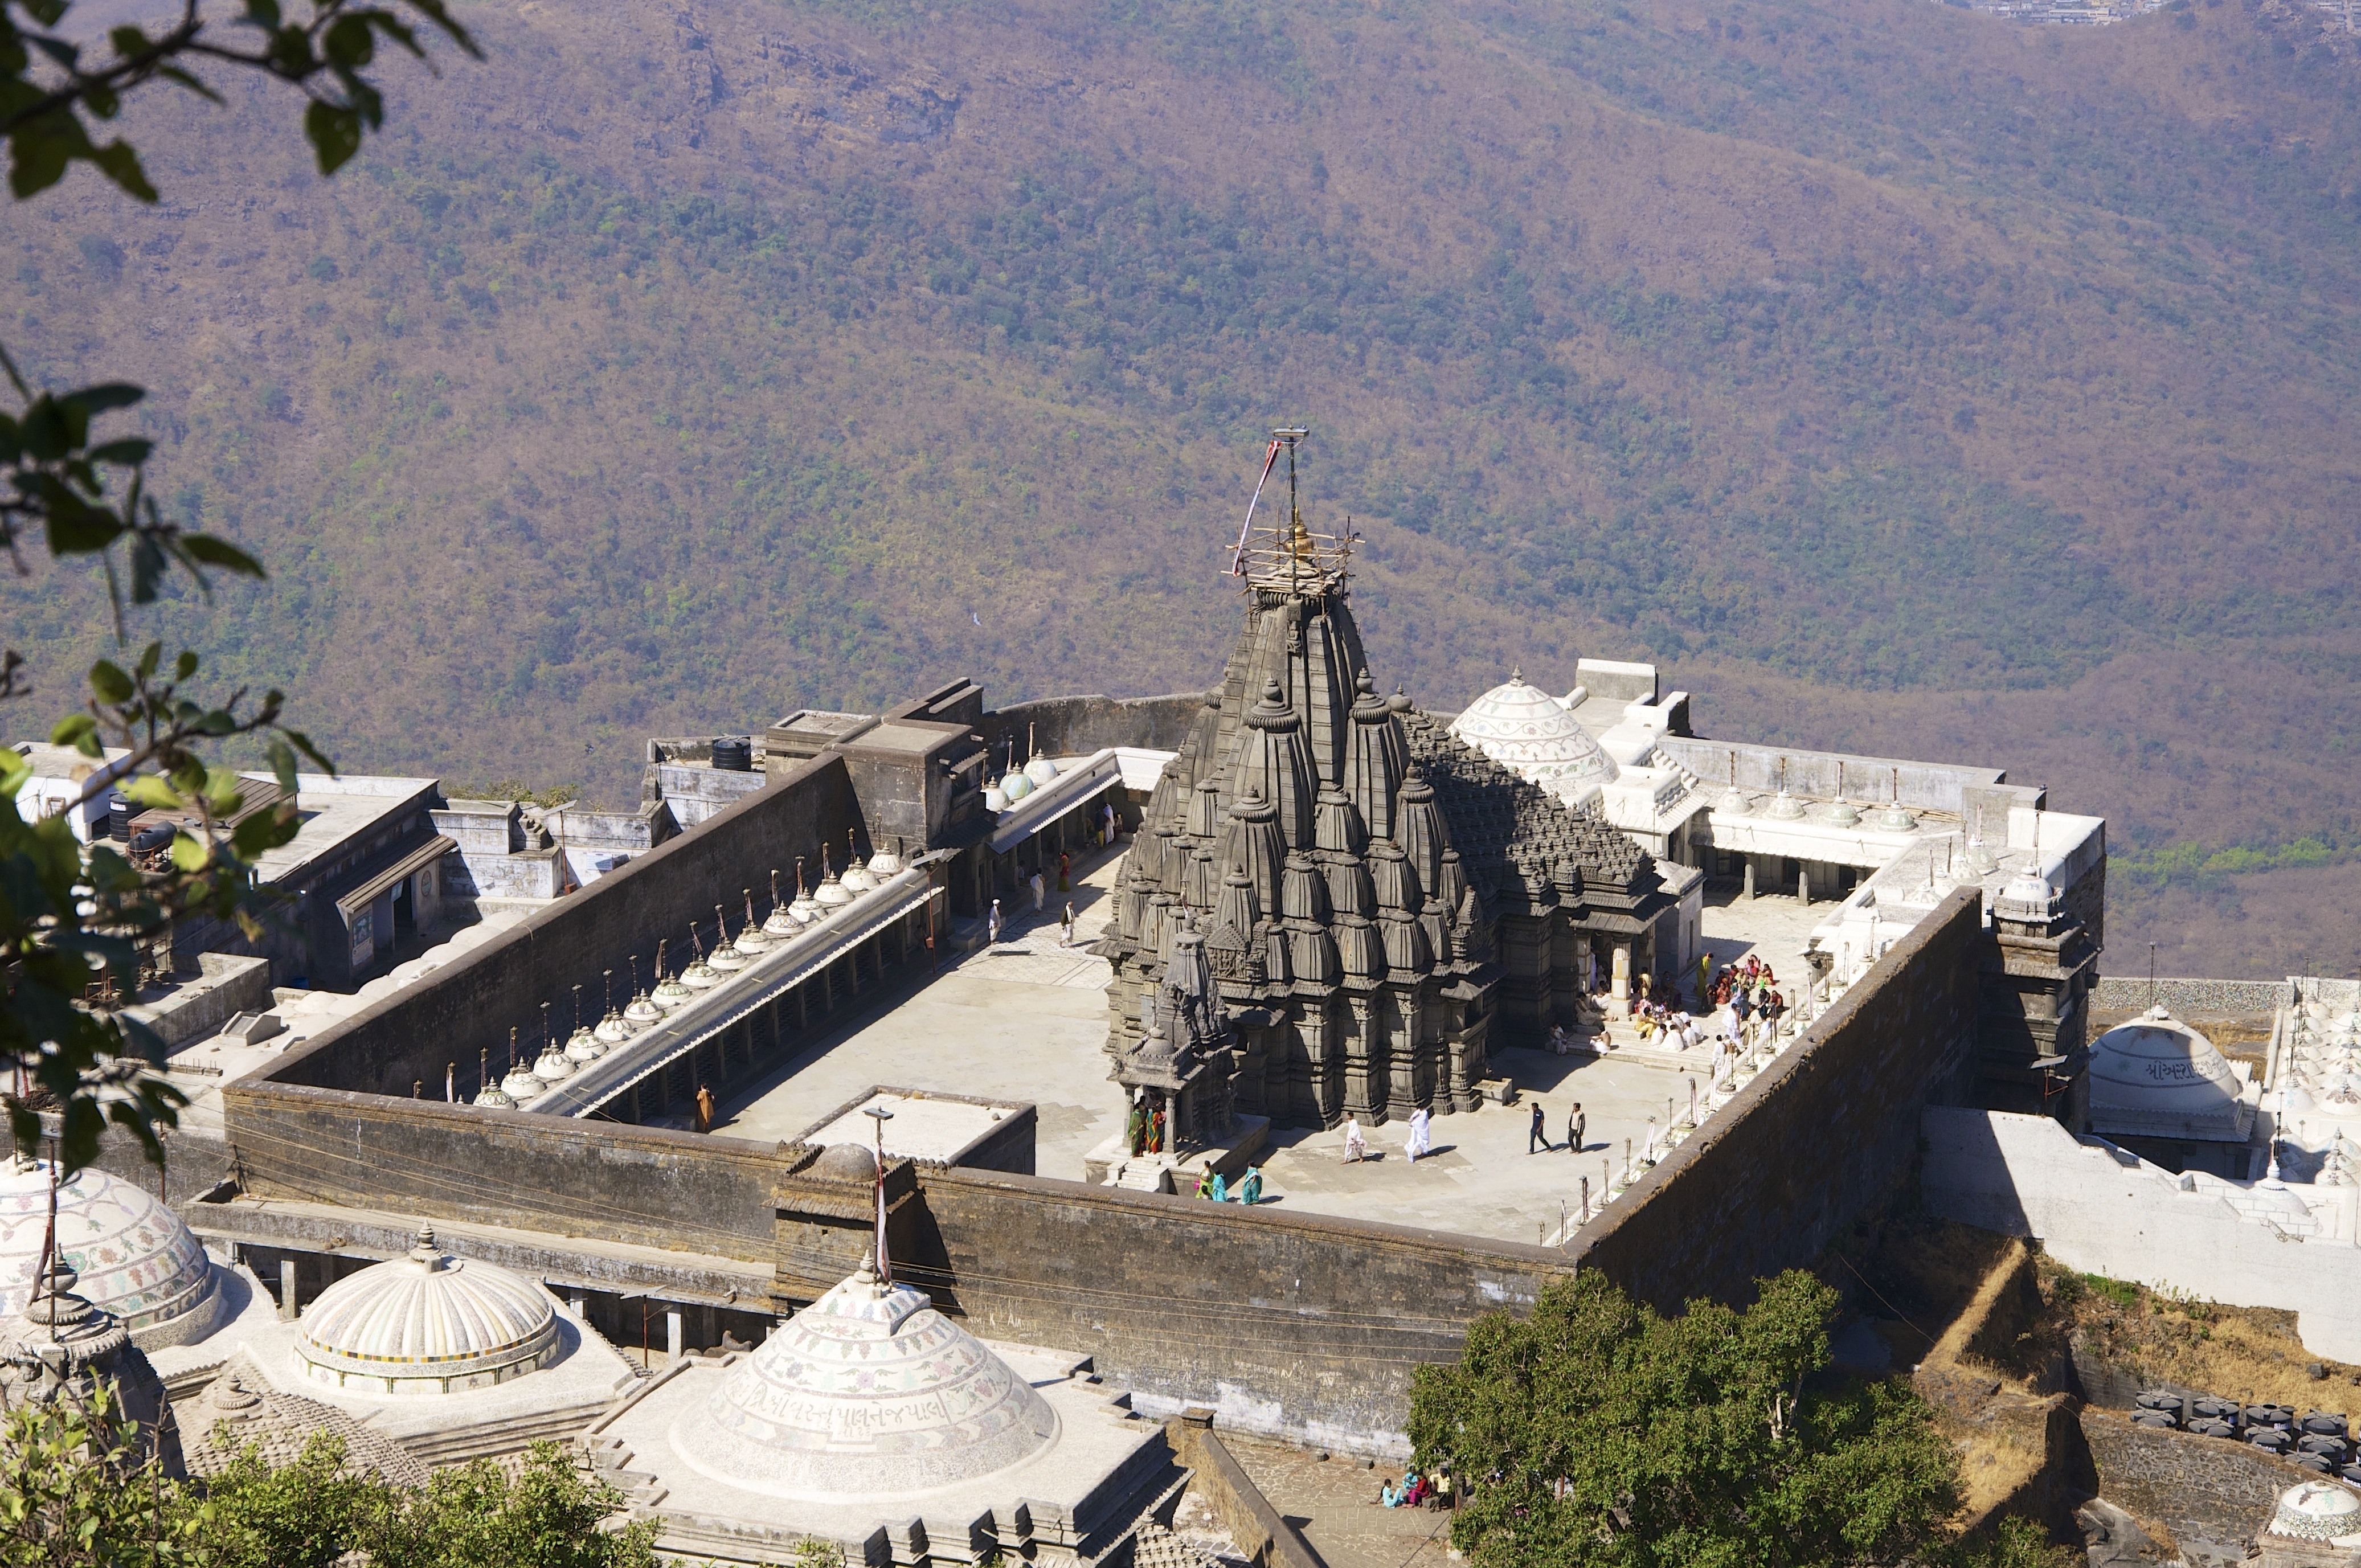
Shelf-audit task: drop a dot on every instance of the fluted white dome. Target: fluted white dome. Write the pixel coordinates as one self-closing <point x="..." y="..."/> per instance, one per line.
<point x="868" y="1391"/>
<point x="135" y="1258"/>
<point x="1530" y="732"/>
<point x="2157" y="1077"/>
<point x="426" y="1323"/>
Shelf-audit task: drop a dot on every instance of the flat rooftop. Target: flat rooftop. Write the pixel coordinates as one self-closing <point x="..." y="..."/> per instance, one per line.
<point x="919" y="1126"/>
<point x="333" y="812"/>
<point x="1026" y="1021"/>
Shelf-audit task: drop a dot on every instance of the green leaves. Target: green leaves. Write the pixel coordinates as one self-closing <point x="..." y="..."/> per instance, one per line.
<point x="76" y="1492"/>
<point x="1602" y="1433"/>
<point x="63" y="909"/>
<point x="49" y="94"/>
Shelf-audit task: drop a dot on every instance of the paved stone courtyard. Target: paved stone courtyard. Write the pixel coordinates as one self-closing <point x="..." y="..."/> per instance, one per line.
<point x="1027" y="1020"/>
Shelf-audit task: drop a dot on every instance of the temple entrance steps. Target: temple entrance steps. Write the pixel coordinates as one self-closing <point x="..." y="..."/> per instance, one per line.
<point x="1147" y="1174"/>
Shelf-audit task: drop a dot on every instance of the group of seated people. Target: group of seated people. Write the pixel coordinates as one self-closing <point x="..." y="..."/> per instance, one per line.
<point x="1743" y="993"/>
<point x="1679" y="1030"/>
<point x="1213" y="1184"/>
<point x="1748" y="992"/>
<point x="1432" y="1489"/>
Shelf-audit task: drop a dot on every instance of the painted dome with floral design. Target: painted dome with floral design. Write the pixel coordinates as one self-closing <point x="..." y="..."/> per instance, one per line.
<point x="133" y="1256"/>
<point x="1530" y="732"/>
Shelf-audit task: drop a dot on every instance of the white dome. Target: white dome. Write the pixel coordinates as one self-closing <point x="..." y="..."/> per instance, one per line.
<point x="2317" y="1511"/>
<point x="867" y="1391"/>
<point x="2157" y="1077"/>
<point x="136" y="1260"/>
<point x="427" y="1323"/>
<point x="1525" y="730"/>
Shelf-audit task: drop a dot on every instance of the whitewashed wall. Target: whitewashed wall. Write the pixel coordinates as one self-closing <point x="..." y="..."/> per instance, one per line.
<point x="2099" y="1210"/>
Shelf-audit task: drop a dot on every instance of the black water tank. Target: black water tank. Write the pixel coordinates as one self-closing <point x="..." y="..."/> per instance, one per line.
<point x="2264" y="1438"/>
<point x="119" y="810"/>
<point x="2353" y="1473"/>
<point x="148" y="838"/>
<point x="2270" y="1415"/>
<point x="2204" y="1426"/>
<point x="2321" y="1421"/>
<point x="2320" y="1442"/>
<point x="2154" y="1419"/>
<point x="2218" y="1410"/>
<point x="2314" y="1462"/>
<point x="733" y="754"/>
<point x="2159" y="1399"/>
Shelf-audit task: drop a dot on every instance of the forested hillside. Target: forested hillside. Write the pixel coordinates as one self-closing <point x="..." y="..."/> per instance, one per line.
<point x="1906" y="381"/>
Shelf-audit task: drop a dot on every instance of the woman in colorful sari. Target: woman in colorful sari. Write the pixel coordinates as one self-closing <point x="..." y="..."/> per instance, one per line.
<point x="1250" y="1188"/>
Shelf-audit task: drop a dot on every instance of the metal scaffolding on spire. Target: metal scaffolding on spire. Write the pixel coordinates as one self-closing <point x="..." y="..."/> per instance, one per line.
<point x="1286" y="556"/>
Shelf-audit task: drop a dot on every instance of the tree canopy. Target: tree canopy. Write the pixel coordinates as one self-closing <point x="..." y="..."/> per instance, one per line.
<point x="77" y="1491"/>
<point x="1596" y="1431"/>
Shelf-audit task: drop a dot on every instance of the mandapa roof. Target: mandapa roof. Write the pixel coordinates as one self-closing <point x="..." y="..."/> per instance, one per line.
<point x="134" y="1258"/>
<point x="427" y="1317"/>
<point x="241" y="1410"/>
<point x="1526" y="729"/>
<point x="1508" y="827"/>
<point x="869" y="1392"/>
<point x="2157" y="1077"/>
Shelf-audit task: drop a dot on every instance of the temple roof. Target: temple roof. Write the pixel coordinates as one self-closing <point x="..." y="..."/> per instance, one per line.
<point x="1525" y="728"/>
<point x="427" y="1322"/>
<point x="1511" y="832"/>
<point x="868" y="1392"/>
<point x="2157" y="1077"/>
<point x="241" y="1410"/>
<point x="134" y="1258"/>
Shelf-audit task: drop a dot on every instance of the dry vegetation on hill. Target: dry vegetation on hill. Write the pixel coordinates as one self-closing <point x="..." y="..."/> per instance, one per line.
<point x="1905" y="381"/>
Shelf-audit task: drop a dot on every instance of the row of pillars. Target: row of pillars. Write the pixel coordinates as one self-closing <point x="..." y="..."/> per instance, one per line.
<point x="767" y="1032"/>
<point x="675" y="1316"/>
<point x="1831" y="885"/>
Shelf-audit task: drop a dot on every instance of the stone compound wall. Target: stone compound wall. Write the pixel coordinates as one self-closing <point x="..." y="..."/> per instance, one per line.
<point x="2126" y="995"/>
<point x="644" y="1186"/>
<point x="2212" y="1495"/>
<point x="1076" y="725"/>
<point x="470" y="1006"/>
<point x="2101" y="1210"/>
<point x="1815" y="1139"/>
<point x="1295" y="1325"/>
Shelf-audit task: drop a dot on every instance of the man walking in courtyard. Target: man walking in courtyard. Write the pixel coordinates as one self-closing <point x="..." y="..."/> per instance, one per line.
<point x="1537" y="1139"/>
<point x="1576" y="1124"/>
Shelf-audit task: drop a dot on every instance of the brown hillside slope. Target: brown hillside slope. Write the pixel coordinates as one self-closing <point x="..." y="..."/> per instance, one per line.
<point x="1907" y="381"/>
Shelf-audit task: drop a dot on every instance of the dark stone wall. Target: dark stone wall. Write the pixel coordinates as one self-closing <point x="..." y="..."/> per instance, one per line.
<point x="641" y="1185"/>
<point x="1282" y="1322"/>
<point x="2212" y="1494"/>
<point x="1070" y="726"/>
<point x="1813" y="1139"/>
<point x="470" y="1007"/>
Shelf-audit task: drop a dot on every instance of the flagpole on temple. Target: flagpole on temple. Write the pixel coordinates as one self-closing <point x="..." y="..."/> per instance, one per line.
<point x="884" y="1265"/>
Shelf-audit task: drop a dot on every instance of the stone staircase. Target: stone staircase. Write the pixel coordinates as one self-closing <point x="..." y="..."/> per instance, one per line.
<point x="1143" y="1175"/>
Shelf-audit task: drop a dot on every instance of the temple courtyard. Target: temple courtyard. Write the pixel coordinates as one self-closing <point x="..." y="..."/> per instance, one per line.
<point x="1026" y="1021"/>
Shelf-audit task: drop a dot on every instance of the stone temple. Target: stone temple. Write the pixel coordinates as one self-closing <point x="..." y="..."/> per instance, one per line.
<point x="1380" y="904"/>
